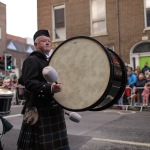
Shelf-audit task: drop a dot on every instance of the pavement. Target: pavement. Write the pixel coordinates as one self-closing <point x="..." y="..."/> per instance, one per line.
<point x="130" y="107"/>
<point x="96" y="134"/>
<point x="76" y="141"/>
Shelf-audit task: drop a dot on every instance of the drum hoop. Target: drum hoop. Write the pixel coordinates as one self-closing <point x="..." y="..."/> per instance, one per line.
<point x="110" y="78"/>
<point x="6" y="96"/>
<point x="2" y="127"/>
<point x="122" y="88"/>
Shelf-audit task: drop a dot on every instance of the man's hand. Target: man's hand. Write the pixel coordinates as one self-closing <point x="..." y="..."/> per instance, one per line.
<point x="56" y="87"/>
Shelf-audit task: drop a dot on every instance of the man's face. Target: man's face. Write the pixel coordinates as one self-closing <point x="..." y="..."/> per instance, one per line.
<point x="43" y="44"/>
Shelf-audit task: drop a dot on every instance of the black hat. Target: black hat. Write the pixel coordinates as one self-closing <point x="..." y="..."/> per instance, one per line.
<point x="40" y="33"/>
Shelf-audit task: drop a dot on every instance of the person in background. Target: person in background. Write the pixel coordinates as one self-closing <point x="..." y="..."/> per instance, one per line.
<point x="13" y="77"/>
<point x="137" y="71"/>
<point x="132" y="79"/>
<point x="139" y="84"/>
<point x="127" y="90"/>
<point x="120" y="101"/>
<point x="7" y="83"/>
<point x="49" y="131"/>
<point x="147" y="75"/>
<point x="145" y="94"/>
<point x="145" y="68"/>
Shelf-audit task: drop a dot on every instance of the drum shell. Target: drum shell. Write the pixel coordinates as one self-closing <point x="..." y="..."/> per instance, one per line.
<point x="1" y="128"/>
<point x="118" y="82"/>
<point x="5" y="102"/>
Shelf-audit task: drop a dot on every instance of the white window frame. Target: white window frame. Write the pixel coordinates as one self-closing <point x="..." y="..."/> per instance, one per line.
<point x="145" y="16"/>
<point x="11" y="46"/>
<point x="98" y="20"/>
<point x="13" y="61"/>
<point x="54" y="7"/>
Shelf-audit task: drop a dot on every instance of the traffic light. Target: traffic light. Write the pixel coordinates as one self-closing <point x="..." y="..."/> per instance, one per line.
<point x="8" y="62"/>
<point x="2" y="63"/>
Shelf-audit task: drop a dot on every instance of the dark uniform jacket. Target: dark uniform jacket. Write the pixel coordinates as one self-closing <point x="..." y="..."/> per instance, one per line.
<point x="39" y="90"/>
<point x="49" y="133"/>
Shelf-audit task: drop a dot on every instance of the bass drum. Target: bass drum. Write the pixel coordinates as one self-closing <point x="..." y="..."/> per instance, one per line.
<point x="93" y="77"/>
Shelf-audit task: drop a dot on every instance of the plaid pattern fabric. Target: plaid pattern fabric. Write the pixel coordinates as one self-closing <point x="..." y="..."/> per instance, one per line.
<point x="48" y="134"/>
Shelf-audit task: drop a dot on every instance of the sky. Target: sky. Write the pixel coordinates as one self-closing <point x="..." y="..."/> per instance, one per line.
<point x="21" y="17"/>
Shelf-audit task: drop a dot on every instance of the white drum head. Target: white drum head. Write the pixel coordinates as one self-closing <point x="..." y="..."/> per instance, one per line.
<point x="83" y="69"/>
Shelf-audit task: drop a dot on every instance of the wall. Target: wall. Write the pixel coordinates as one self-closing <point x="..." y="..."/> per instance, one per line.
<point x="3" y="28"/>
<point x="125" y="22"/>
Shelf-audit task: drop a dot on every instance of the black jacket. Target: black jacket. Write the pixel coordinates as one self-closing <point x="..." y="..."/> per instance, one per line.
<point x="39" y="90"/>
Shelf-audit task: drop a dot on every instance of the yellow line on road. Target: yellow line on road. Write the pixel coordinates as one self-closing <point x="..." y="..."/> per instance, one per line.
<point x="122" y="142"/>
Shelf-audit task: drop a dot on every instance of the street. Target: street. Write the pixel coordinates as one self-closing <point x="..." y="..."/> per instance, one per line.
<point x="104" y="130"/>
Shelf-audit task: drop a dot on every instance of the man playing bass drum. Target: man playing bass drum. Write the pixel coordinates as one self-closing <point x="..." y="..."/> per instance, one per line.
<point x="49" y="131"/>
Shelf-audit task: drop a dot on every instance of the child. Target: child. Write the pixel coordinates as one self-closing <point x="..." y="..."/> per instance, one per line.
<point x="131" y="94"/>
<point x="145" y="94"/>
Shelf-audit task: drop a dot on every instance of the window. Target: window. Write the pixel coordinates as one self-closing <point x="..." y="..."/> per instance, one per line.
<point x="29" y="50"/>
<point x="98" y="17"/>
<point x="59" y="27"/>
<point x="11" y="46"/>
<point x="143" y="47"/>
<point x="147" y="13"/>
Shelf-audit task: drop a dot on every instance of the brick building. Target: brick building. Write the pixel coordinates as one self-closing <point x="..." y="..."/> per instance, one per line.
<point x="18" y="47"/>
<point x="122" y="25"/>
<point x="3" y="39"/>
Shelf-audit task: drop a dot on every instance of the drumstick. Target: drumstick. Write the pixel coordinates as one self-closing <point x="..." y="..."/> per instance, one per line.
<point x="50" y="74"/>
<point x="73" y="116"/>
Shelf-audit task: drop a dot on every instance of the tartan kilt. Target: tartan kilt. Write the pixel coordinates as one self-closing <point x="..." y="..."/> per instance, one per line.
<point x="49" y="133"/>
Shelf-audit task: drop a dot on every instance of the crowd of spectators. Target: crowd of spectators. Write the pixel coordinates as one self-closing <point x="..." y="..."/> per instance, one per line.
<point x="137" y="90"/>
<point x="8" y="81"/>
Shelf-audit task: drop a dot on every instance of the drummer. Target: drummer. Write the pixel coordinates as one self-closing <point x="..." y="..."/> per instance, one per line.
<point x="49" y="132"/>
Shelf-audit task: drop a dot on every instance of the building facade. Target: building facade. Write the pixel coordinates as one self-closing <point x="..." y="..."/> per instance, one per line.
<point x="17" y="47"/>
<point x="3" y="39"/>
<point x="122" y="25"/>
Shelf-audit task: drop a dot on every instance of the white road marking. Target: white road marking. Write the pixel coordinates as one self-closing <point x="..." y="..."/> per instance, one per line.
<point x="11" y="116"/>
<point x="17" y="106"/>
<point x="122" y="142"/>
<point x="121" y="112"/>
<point x="131" y="112"/>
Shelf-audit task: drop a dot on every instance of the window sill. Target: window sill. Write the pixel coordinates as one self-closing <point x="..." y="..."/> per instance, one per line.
<point x="96" y="35"/>
<point x="146" y="29"/>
